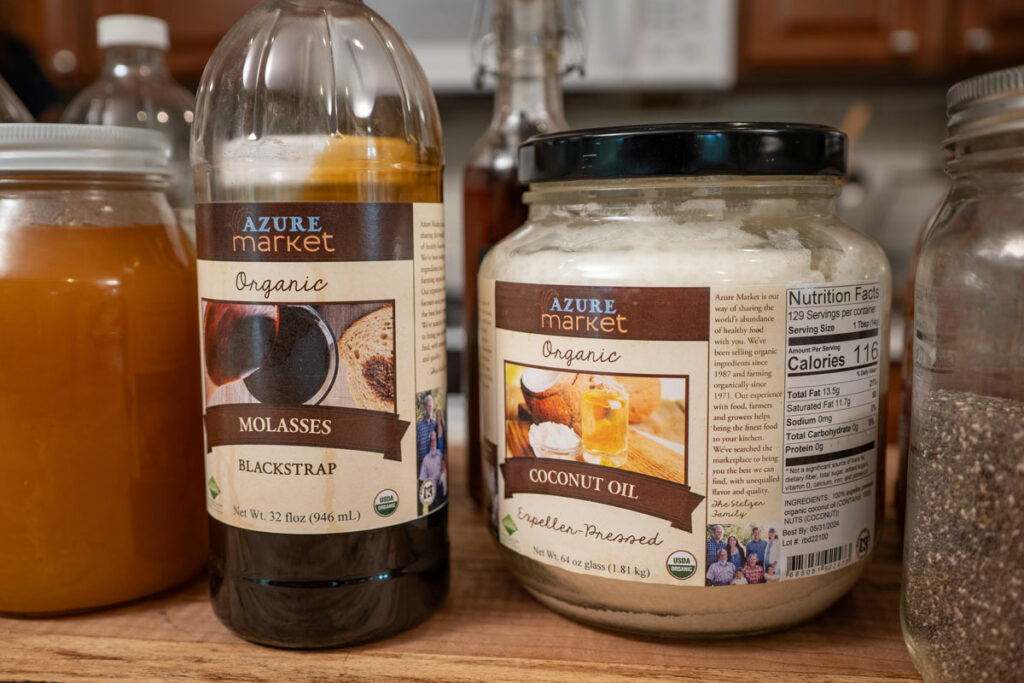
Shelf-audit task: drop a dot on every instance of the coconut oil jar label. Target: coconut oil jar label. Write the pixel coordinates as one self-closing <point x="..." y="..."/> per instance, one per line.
<point x="705" y="436"/>
<point x="323" y="354"/>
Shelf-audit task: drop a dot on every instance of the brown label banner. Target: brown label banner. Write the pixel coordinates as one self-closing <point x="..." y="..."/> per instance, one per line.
<point x="318" y="426"/>
<point x="304" y="231"/>
<point x="583" y="481"/>
<point x="639" y="313"/>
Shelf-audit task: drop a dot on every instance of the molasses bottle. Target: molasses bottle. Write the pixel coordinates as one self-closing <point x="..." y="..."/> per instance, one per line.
<point x="317" y="158"/>
<point x="528" y="36"/>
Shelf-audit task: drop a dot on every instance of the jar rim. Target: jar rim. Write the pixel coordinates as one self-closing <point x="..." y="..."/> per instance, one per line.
<point x="563" y="191"/>
<point x="45" y="180"/>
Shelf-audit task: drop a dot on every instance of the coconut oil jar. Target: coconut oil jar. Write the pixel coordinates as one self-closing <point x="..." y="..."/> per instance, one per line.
<point x="684" y="360"/>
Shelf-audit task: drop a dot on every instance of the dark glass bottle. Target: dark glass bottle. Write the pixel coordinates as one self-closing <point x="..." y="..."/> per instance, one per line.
<point x="528" y="35"/>
<point x="318" y="108"/>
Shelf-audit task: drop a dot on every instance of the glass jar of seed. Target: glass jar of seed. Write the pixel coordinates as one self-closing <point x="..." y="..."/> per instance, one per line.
<point x="962" y="593"/>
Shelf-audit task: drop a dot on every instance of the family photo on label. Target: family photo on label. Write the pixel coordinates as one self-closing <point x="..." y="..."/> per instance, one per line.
<point x="738" y="556"/>
<point x="431" y="450"/>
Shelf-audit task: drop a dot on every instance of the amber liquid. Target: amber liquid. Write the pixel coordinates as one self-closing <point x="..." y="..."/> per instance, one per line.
<point x="328" y="590"/>
<point x="493" y="209"/>
<point x="101" y="469"/>
<point x="605" y="427"/>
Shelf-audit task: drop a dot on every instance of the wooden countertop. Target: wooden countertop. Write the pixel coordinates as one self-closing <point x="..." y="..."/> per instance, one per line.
<point x="489" y="629"/>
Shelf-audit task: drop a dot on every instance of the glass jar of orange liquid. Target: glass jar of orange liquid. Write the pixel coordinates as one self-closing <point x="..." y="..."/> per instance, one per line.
<point x="101" y="497"/>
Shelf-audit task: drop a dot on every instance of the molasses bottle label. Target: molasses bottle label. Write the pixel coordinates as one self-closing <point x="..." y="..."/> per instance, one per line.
<point x="323" y="336"/>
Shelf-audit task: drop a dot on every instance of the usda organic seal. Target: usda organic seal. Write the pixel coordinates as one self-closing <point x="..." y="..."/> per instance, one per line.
<point x="385" y="503"/>
<point x="681" y="564"/>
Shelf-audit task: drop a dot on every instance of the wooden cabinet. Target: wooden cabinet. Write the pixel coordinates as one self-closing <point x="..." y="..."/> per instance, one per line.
<point x="62" y="33"/>
<point x="778" y="38"/>
<point x="879" y="38"/>
<point x="196" y="27"/>
<point x="53" y="30"/>
<point x="986" y="33"/>
<point x="864" y="33"/>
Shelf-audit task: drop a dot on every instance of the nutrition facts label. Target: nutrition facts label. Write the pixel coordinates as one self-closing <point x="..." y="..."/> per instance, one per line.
<point x="831" y="398"/>
<point x="833" y="349"/>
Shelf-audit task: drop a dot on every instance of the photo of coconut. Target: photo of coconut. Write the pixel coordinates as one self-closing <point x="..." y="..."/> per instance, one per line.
<point x="631" y="422"/>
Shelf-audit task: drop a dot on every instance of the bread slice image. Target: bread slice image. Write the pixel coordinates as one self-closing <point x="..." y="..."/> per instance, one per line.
<point x="368" y="350"/>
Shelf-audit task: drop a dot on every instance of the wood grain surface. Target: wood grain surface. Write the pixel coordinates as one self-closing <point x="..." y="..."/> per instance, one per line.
<point x="488" y="630"/>
<point x="667" y="421"/>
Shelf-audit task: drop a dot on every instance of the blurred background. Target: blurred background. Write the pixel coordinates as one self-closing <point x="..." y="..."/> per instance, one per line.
<point x="878" y="69"/>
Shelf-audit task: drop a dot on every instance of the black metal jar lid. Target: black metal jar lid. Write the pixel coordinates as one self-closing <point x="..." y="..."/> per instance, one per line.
<point x="684" y="149"/>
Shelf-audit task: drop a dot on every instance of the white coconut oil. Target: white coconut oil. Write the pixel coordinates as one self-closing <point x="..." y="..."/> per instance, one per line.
<point x="602" y="278"/>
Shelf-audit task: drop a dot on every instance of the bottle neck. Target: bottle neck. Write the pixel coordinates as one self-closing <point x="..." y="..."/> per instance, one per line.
<point x="123" y="61"/>
<point x="529" y="100"/>
<point x="529" y="89"/>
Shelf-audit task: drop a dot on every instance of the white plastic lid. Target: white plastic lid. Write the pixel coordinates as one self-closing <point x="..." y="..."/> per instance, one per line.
<point x="78" y="148"/>
<point x="132" y="29"/>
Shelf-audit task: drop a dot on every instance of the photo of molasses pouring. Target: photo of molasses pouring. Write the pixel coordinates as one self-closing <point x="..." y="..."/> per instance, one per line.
<point x="283" y="354"/>
<point x="236" y="339"/>
<point x="337" y="354"/>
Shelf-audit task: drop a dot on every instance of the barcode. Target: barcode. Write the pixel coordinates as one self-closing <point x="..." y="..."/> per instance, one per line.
<point x="795" y="563"/>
